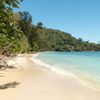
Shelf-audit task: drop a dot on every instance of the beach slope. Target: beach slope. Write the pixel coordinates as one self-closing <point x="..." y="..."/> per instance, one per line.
<point x="38" y="84"/>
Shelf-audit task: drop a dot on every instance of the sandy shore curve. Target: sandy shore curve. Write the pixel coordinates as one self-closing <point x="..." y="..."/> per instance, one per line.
<point x="39" y="84"/>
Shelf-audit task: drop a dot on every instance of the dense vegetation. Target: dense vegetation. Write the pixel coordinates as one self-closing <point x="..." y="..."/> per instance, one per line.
<point x="18" y="34"/>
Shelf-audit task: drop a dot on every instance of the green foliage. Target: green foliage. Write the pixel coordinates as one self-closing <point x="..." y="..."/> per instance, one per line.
<point x="39" y="25"/>
<point x="56" y="40"/>
<point x="34" y="47"/>
<point x="3" y="40"/>
<point x="13" y="3"/>
<point x="19" y="35"/>
<point x="12" y="39"/>
<point x="25" y="21"/>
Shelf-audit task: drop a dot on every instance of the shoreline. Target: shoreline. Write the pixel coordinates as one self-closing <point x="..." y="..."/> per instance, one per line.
<point x="83" y="81"/>
<point x="39" y="84"/>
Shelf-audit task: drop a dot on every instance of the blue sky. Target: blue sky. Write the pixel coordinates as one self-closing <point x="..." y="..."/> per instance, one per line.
<point x="81" y="18"/>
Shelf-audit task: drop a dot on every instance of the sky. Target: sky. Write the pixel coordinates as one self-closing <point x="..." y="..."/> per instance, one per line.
<point x="81" y="18"/>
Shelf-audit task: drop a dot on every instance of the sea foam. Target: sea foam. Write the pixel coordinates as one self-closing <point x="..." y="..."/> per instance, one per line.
<point x="51" y="67"/>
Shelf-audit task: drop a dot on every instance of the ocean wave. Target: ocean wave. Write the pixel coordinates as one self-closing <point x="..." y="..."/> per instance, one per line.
<point x="51" y="67"/>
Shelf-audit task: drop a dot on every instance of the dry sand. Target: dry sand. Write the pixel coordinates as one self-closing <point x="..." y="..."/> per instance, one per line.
<point x="39" y="84"/>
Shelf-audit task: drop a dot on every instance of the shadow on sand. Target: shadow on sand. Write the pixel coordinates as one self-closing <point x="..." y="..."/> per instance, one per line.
<point x="9" y="85"/>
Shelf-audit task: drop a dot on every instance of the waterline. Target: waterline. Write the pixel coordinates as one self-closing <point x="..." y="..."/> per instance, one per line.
<point x="76" y="65"/>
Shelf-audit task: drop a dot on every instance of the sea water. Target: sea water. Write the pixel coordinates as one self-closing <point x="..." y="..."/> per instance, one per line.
<point x="85" y="65"/>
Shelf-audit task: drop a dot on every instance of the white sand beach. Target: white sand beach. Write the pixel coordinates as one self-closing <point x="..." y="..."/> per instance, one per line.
<point x="39" y="84"/>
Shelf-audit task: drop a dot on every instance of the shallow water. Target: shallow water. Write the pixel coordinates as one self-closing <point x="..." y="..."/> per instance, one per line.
<point x="85" y="65"/>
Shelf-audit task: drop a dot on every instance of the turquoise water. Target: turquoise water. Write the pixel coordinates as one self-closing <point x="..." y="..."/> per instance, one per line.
<point x="84" y="64"/>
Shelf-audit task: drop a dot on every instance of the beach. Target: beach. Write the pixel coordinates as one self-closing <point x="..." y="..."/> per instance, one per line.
<point x="36" y="83"/>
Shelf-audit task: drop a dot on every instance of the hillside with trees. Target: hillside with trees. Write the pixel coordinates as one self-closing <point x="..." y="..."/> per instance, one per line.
<point x="56" y="40"/>
<point x="18" y="34"/>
